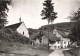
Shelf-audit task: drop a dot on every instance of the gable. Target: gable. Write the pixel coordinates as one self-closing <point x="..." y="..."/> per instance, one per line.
<point x="51" y="36"/>
<point x="23" y="30"/>
<point x="44" y="39"/>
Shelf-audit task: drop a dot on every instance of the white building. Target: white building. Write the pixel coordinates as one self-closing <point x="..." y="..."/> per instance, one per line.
<point x="64" y="42"/>
<point x="20" y="28"/>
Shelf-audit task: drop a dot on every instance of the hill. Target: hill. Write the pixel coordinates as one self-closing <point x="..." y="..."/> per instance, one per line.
<point x="64" y="25"/>
<point x="11" y="40"/>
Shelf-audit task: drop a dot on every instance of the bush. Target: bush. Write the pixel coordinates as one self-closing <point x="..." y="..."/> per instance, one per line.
<point x="11" y="40"/>
<point x="9" y="35"/>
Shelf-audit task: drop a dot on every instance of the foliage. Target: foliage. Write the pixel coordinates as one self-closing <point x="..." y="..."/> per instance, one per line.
<point x="9" y="35"/>
<point x="75" y="31"/>
<point x="64" y="25"/>
<point x="48" y="11"/>
<point x="32" y="31"/>
<point x="47" y="28"/>
<point x="3" y="9"/>
<point x="75" y="16"/>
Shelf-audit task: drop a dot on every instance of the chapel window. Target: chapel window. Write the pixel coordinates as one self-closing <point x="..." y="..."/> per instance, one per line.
<point x="23" y="32"/>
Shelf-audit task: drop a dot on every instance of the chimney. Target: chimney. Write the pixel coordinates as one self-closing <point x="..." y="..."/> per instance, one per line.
<point x="20" y="19"/>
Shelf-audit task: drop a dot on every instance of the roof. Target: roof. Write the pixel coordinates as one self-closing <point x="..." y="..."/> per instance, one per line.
<point x="35" y="35"/>
<point x="62" y="32"/>
<point x="14" y="26"/>
<point x="62" y="29"/>
<point x="52" y="36"/>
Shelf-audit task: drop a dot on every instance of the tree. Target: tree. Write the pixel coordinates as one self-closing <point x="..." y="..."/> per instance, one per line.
<point x="3" y="9"/>
<point x="48" y="13"/>
<point x="75" y="16"/>
<point x="75" y="31"/>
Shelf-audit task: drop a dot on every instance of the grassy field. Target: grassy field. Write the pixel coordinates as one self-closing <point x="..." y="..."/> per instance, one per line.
<point x="33" y="51"/>
<point x="13" y="54"/>
<point x="19" y="49"/>
<point x="72" y="52"/>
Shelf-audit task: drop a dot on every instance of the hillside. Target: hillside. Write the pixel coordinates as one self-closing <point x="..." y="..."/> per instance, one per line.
<point x="11" y="40"/>
<point x="8" y="35"/>
<point x="64" y="25"/>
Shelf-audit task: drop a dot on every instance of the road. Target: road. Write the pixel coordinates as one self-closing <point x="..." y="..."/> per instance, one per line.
<point x="57" y="53"/>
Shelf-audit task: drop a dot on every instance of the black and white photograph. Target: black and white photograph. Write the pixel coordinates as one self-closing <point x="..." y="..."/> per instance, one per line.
<point x="39" y="27"/>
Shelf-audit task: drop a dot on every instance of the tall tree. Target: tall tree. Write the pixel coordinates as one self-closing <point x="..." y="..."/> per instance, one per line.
<point x="3" y="9"/>
<point x="75" y="31"/>
<point x="48" y="13"/>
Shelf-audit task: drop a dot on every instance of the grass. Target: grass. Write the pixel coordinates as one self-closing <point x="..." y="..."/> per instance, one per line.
<point x="67" y="53"/>
<point x="13" y="54"/>
<point x="19" y="48"/>
<point x="33" y="51"/>
<point x="72" y="52"/>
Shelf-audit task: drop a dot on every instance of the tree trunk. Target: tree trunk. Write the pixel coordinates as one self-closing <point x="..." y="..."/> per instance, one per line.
<point x="48" y="35"/>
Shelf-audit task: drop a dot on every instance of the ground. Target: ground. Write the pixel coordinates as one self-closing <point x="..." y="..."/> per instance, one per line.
<point x="16" y="49"/>
<point x="19" y="48"/>
<point x="32" y="51"/>
<point x="38" y="52"/>
<point x="61" y="52"/>
<point x="57" y="53"/>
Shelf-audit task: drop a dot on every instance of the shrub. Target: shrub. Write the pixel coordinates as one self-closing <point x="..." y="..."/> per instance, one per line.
<point x="6" y="34"/>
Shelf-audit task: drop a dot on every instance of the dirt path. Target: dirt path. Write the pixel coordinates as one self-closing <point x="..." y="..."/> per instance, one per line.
<point x="57" y="53"/>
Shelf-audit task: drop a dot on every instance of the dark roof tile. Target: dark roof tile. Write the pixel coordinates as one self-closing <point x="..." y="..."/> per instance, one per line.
<point x="52" y="36"/>
<point x="62" y="33"/>
<point x="14" y="26"/>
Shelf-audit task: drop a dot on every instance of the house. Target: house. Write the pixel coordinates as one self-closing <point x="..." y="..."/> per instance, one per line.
<point x="20" y="28"/>
<point x="62" y="34"/>
<point x="42" y="38"/>
<point x="57" y="39"/>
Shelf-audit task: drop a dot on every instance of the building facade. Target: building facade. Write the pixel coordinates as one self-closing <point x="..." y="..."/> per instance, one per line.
<point x="23" y="30"/>
<point x="20" y="28"/>
<point x="64" y="42"/>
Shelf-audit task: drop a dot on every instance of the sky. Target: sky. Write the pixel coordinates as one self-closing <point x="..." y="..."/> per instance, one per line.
<point x="30" y="10"/>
